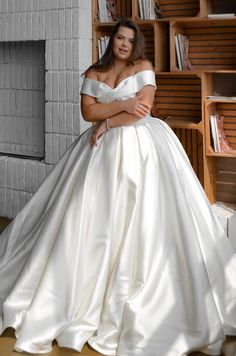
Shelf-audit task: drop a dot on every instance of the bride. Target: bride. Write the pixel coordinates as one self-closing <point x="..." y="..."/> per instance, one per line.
<point x="119" y="246"/>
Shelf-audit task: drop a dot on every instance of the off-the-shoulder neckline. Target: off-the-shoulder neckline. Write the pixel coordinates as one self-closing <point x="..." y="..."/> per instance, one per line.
<point x="129" y="76"/>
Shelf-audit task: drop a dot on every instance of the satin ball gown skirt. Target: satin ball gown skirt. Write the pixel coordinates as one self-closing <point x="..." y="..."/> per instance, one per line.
<point x="119" y="247"/>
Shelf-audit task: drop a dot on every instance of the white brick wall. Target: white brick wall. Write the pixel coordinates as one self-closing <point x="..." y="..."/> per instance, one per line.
<point x="66" y="28"/>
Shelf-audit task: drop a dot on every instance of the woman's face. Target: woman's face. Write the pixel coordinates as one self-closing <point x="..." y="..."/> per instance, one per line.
<point x="123" y="43"/>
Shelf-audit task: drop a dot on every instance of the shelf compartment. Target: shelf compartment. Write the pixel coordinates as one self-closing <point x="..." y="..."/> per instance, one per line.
<point x="228" y="110"/>
<point x="178" y="9"/>
<point x="212" y="43"/>
<point x="174" y="8"/>
<point x="217" y="7"/>
<point x="220" y="85"/>
<point x="124" y="9"/>
<point x="226" y="180"/>
<point x="179" y="98"/>
<point x="192" y="141"/>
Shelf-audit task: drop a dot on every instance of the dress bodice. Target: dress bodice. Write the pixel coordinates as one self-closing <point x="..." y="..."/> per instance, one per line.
<point x="126" y="89"/>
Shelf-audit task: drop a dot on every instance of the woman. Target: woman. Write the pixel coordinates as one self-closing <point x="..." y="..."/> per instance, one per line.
<point x="123" y="250"/>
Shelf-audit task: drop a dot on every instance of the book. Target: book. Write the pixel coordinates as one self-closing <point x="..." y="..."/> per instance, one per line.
<point x="102" y="11"/>
<point x="221" y="16"/>
<point x="102" y="45"/>
<point x="112" y="9"/>
<point x="107" y="10"/>
<point x="219" y="139"/>
<point x="150" y="10"/>
<point x="220" y="97"/>
<point x="182" y="48"/>
<point x="178" y="53"/>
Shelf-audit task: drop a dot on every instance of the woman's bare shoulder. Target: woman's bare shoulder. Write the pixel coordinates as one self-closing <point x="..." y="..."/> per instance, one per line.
<point x="143" y="64"/>
<point x="92" y="74"/>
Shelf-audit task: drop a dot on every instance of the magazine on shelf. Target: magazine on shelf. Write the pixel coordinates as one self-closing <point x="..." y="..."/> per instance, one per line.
<point x="150" y="10"/>
<point x="102" y="45"/>
<point x="219" y="140"/>
<point x="220" y="97"/>
<point x="107" y="10"/>
<point x="221" y="16"/>
<point x="182" y="48"/>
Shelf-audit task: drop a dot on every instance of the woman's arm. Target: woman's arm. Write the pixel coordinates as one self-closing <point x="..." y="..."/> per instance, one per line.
<point x="147" y="93"/>
<point x="93" y="111"/>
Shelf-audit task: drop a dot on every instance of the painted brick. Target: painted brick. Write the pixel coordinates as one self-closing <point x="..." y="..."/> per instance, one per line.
<point x="85" y="4"/>
<point x="41" y="173"/>
<point x="41" y="32"/>
<point x="35" y="25"/>
<point x="55" y="24"/>
<point x="85" y="23"/>
<point x="22" y="200"/>
<point x="76" y="89"/>
<point x="62" y="118"/>
<point x="42" y="5"/>
<point x="76" y="119"/>
<point x="55" y="115"/>
<point x="62" y="86"/>
<point x="76" y="64"/>
<point x="3" y="202"/>
<point x="35" y="5"/>
<point x="48" y="20"/>
<point x="29" y="25"/>
<point x="61" y="4"/>
<point x="69" y="54"/>
<point x="48" y="86"/>
<point x="62" y="23"/>
<point x="10" y="5"/>
<point x="55" y="148"/>
<point x="48" y="148"/>
<point x="9" y="27"/>
<point x="62" y="55"/>
<point x="69" y="4"/>
<point x="69" y="13"/>
<point x="85" y="46"/>
<point x="55" y="86"/>
<point x="55" y="54"/>
<point x="22" y="5"/>
<point x="15" y="202"/>
<point x="48" y="55"/>
<point x="22" y="27"/>
<point x="48" y="117"/>
<point x="69" y="118"/>
<point x="62" y="145"/>
<point x="76" y="18"/>
<point x="69" y="86"/>
<point x="3" y="171"/>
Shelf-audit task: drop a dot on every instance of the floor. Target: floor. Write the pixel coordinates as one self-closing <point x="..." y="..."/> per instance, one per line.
<point x="7" y="340"/>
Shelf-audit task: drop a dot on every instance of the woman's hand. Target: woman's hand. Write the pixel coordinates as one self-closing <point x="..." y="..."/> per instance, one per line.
<point x="99" y="131"/>
<point x="137" y="107"/>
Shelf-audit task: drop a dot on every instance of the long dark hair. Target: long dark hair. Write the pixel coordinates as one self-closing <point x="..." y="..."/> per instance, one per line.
<point x="107" y="60"/>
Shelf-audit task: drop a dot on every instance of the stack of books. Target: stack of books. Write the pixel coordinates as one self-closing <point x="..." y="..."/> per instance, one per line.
<point x="219" y="140"/>
<point x="102" y="45"/>
<point x="182" y="46"/>
<point x="107" y="10"/>
<point x="226" y="213"/>
<point x="150" y="10"/>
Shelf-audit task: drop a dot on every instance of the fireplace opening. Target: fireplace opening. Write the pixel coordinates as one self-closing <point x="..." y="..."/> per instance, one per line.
<point x="22" y="99"/>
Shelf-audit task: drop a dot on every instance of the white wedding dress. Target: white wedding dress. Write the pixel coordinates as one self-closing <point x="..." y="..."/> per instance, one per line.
<point x="119" y="247"/>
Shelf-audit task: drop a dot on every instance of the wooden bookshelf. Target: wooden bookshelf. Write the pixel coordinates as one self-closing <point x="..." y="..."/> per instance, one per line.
<point x="181" y="97"/>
